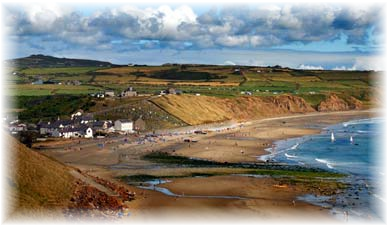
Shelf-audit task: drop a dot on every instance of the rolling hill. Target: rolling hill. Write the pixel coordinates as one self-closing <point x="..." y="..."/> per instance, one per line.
<point x="43" y="61"/>
<point x="35" y="181"/>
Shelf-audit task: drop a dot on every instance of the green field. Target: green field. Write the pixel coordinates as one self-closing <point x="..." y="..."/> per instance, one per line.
<point x="58" y="70"/>
<point x="220" y="81"/>
<point x="39" y="90"/>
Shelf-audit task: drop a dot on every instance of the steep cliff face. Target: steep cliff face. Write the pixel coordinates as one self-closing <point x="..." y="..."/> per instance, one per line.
<point x="292" y="104"/>
<point x="196" y="110"/>
<point x="354" y="103"/>
<point x="333" y="103"/>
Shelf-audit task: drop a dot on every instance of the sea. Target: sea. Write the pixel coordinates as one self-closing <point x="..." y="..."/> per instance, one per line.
<point x="357" y="150"/>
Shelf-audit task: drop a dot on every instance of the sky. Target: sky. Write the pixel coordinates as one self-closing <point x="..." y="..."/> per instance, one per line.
<point x="296" y="35"/>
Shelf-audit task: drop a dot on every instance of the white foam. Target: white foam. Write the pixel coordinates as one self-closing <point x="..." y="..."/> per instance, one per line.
<point x="290" y="156"/>
<point x="294" y="146"/>
<point x="363" y="131"/>
<point x="275" y="151"/>
<point x="328" y="164"/>
<point x="383" y="199"/>
<point x="366" y="121"/>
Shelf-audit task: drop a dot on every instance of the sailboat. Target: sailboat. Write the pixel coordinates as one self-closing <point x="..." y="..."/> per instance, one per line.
<point x="332" y="137"/>
<point x="351" y="139"/>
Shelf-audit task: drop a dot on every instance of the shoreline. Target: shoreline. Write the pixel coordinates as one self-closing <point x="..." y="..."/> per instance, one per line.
<point x="361" y="188"/>
<point x="265" y="131"/>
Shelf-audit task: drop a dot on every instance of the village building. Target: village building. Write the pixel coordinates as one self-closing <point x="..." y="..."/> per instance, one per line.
<point x="10" y="118"/>
<point x="84" y="119"/>
<point x="124" y="125"/>
<point x="78" y="113"/>
<point x="52" y="128"/>
<point x="102" y="126"/>
<point x="129" y="92"/>
<point x="37" y="82"/>
<point x="109" y="93"/>
<point x="76" y="132"/>
<point x="139" y="125"/>
<point x="15" y="129"/>
<point x="171" y="91"/>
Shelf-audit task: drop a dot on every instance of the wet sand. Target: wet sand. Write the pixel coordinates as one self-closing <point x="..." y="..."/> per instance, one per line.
<point x="264" y="199"/>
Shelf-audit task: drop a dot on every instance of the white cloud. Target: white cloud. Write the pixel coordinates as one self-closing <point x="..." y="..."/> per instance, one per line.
<point x="370" y="63"/>
<point x="310" y="67"/>
<point x="42" y="18"/>
<point x="269" y="7"/>
<point x="267" y="25"/>
<point x="228" y="62"/>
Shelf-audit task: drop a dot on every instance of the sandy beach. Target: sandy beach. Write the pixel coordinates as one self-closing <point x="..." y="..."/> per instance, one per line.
<point x="264" y="198"/>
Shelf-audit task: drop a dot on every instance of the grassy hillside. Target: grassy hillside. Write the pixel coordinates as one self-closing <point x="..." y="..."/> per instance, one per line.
<point x="134" y="108"/>
<point x="204" y="109"/>
<point x="39" y="60"/>
<point x="36" y="181"/>
<point x="210" y="80"/>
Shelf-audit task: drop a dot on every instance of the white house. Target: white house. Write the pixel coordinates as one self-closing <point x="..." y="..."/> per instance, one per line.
<point x="77" y="114"/>
<point x="88" y="133"/>
<point x="109" y="93"/>
<point x="124" y="125"/>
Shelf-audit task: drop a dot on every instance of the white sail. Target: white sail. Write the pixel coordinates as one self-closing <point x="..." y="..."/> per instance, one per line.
<point x="351" y="139"/>
<point x="332" y="137"/>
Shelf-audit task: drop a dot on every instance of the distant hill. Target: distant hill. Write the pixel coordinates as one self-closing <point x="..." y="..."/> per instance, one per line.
<point x="33" y="188"/>
<point x="39" y="60"/>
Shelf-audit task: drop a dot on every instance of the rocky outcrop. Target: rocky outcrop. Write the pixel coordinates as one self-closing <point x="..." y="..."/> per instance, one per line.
<point x="292" y="104"/>
<point x="354" y="103"/>
<point x="335" y="103"/>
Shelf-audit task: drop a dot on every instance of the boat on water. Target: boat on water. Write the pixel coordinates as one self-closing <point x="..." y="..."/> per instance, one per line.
<point x="351" y="139"/>
<point x="332" y="137"/>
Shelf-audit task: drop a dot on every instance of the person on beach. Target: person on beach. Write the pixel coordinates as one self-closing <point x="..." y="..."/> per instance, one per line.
<point x="345" y="215"/>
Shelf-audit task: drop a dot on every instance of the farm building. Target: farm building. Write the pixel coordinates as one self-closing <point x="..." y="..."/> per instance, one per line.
<point x="109" y="93"/>
<point x="124" y="125"/>
<point x="171" y="91"/>
<point x="129" y="92"/>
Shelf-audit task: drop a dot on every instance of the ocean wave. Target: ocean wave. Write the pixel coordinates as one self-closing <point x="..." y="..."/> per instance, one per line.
<point x="363" y="121"/>
<point x="383" y="199"/>
<point x="328" y="164"/>
<point x="294" y="146"/>
<point x="290" y="156"/>
<point x="363" y="131"/>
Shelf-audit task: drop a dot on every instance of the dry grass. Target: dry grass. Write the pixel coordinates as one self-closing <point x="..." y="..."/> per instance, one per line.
<point x="36" y="182"/>
<point x="127" y="70"/>
<point x="196" y="110"/>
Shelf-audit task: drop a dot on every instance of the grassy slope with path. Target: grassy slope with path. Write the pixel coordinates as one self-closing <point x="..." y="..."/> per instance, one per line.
<point x="37" y="181"/>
